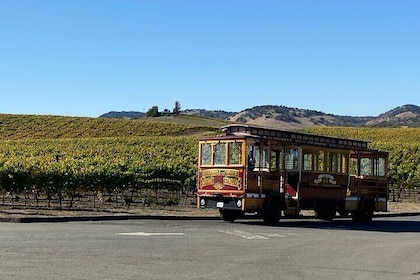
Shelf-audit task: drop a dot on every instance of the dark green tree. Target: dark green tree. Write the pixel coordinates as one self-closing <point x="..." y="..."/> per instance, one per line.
<point x="177" y="108"/>
<point x="153" y="112"/>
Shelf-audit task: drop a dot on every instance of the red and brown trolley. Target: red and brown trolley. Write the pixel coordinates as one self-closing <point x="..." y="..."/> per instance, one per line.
<point x="250" y="169"/>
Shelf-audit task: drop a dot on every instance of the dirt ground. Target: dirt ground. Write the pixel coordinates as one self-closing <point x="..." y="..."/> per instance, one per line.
<point x="143" y="211"/>
<point x="404" y="207"/>
<point x="7" y="211"/>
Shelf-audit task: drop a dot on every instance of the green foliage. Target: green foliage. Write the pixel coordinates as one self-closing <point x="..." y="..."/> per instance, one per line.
<point x="13" y="127"/>
<point x="173" y="201"/>
<point x="54" y="156"/>
<point x="177" y="108"/>
<point x="149" y="200"/>
<point x="55" y="167"/>
<point x="153" y="112"/>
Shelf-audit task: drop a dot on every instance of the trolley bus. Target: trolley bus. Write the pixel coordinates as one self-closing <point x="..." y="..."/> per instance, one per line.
<point x="269" y="172"/>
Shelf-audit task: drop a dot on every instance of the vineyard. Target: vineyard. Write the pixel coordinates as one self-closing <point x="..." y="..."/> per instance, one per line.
<point x="64" y="162"/>
<point x="14" y="127"/>
<point x="74" y="163"/>
<point x="66" y="168"/>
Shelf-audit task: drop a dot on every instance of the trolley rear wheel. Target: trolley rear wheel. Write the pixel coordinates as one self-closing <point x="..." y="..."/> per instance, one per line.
<point x="272" y="216"/>
<point x="364" y="216"/>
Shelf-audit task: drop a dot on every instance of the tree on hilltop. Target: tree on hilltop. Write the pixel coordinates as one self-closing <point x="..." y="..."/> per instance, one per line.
<point x="177" y="108"/>
<point x="153" y="112"/>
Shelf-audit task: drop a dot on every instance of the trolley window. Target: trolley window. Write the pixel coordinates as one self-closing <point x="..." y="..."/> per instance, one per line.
<point x="366" y="167"/>
<point x="381" y="167"/>
<point x="205" y="154"/>
<point x="319" y="160"/>
<point x="235" y="153"/>
<point x="220" y="154"/>
<point x="262" y="158"/>
<point x="307" y="160"/>
<point x="292" y="159"/>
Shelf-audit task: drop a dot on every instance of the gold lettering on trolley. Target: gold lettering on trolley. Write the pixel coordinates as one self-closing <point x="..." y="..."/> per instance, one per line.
<point x="235" y="182"/>
<point x="205" y="181"/>
<point x="220" y="172"/>
<point x="230" y="178"/>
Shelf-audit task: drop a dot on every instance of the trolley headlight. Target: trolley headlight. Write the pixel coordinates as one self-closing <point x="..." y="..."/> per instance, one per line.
<point x="239" y="203"/>
<point x="203" y="202"/>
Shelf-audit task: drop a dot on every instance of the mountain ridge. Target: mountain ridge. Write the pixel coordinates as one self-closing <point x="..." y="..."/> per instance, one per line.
<point x="278" y="116"/>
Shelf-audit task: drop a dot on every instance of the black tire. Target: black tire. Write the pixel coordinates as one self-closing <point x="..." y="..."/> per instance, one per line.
<point x="343" y="213"/>
<point x="228" y="215"/>
<point x="271" y="216"/>
<point x="327" y="215"/>
<point x="364" y="216"/>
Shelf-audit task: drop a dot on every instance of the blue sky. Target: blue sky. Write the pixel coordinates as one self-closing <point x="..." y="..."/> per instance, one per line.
<point x="88" y="57"/>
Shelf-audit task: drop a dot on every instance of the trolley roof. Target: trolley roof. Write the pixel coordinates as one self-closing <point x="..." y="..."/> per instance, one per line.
<point x="293" y="138"/>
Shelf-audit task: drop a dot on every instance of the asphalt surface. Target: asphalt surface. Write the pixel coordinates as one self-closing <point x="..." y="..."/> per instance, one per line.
<point x="21" y="217"/>
<point x="175" y="248"/>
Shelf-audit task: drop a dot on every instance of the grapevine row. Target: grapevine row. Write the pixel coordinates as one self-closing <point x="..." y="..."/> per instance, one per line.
<point x="64" y="167"/>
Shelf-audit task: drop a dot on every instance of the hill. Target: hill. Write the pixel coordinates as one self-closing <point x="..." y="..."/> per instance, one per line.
<point x="293" y="118"/>
<point x="406" y="115"/>
<point x="14" y="127"/>
<point x="282" y="117"/>
<point x="286" y="117"/>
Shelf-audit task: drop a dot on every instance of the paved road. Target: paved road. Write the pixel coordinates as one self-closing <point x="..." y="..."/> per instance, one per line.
<point x="389" y="248"/>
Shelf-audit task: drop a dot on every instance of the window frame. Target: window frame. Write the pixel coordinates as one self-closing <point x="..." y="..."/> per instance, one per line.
<point x="226" y="153"/>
